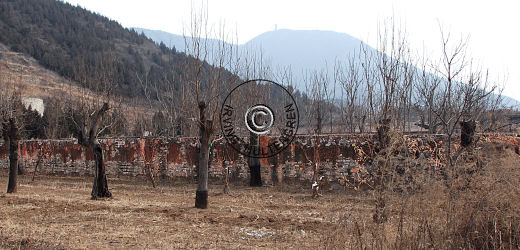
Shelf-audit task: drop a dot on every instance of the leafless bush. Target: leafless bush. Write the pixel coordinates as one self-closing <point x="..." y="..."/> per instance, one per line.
<point x="478" y="208"/>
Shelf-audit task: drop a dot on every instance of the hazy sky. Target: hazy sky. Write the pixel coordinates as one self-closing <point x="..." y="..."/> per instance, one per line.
<point x="490" y="25"/>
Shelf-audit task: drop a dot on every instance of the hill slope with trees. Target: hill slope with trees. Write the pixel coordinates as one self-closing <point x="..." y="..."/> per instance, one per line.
<point x="81" y="46"/>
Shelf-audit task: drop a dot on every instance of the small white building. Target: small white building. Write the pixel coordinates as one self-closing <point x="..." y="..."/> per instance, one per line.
<point x="35" y="103"/>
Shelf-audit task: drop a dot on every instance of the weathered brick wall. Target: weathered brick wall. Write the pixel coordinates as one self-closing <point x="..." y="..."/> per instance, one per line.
<point x="340" y="155"/>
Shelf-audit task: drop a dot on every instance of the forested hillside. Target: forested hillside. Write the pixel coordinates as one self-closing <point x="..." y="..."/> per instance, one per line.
<point x="82" y="46"/>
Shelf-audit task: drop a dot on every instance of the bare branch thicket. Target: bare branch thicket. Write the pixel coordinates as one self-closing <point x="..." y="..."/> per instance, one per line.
<point x="316" y="85"/>
<point x="428" y="98"/>
<point x="348" y="77"/>
<point x="386" y="78"/>
<point x="405" y="92"/>
<point x="329" y="91"/>
<point x="390" y="68"/>
<point x="284" y="76"/>
<point x="307" y="116"/>
<point x="369" y="77"/>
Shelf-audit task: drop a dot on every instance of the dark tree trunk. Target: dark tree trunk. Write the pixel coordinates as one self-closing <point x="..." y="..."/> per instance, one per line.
<point x="201" y="199"/>
<point x="254" y="168"/>
<point x="255" y="176"/>
<point x="88" y="139"/>
<point x="318" y="120"/>
<point x="100" y="187"/>
<point x="13" y="166"/>
<point x="206" y="128"/>
<point x="10" y="132"/>
<point x="467" y="132"/>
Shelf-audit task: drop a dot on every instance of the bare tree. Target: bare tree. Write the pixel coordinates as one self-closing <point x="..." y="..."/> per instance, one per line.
<point x="406" y="90"/>
<point x="466" y="93"/>
<point x="11" y="126"/>
<point x="316" y="84"/>
<point x="389" y="62"/>
<point x="428" y="91"/>
<point x="205" y="83"/>
<point x="87" y="116"/>
<point x="11" y="135"/>
<point x="87" y="137"/>
<point x="348" y="76"/>
<point x="369" y="78"/>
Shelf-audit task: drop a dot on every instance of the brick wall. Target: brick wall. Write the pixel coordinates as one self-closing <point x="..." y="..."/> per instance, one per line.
<point x="340" y="155"/>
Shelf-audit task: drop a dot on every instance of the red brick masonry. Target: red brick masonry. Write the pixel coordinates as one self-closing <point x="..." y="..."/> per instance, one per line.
<point x="340" y="157"/>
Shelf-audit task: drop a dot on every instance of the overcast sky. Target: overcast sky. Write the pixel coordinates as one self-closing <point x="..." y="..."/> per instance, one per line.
<point x="492" y="26"/>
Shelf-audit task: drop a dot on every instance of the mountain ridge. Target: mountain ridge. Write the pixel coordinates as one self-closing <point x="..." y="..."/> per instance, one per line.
<point x="301" y="50"/>
<point x="270" y="41"/>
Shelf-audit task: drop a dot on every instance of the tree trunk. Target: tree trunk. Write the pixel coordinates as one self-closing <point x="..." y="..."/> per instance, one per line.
<point x="318" y="120"/>
<point x="201" y="197"/>
<point x="13" y="165"/>
<point x="383" y="135"/>
<point x="149" y="172"/>
<point x="37" y="164"/>
<point x="226" y="177"/>
<point x="361" y="124"/>
<point x="100" y="187"/>
<point x="11" y="135"/>
<point x="467" y="132"/>
<point x="255" y="176"/>
<point x="315" y="176"/>
<point x="315" y="181"/>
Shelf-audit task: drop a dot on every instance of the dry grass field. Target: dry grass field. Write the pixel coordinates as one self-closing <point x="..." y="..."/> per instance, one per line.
<point x="476" y="210"/>
<point x="54" y="212"/>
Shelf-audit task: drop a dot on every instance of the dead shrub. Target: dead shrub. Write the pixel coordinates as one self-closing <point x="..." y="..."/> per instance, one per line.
<point x="475" y="206"/>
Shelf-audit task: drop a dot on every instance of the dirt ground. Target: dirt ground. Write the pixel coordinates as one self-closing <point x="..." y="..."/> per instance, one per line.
<point x="58" y="213"/>
<point x="473" y="206"/>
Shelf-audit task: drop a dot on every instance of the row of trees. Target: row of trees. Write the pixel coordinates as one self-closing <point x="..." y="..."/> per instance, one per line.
<point x="370" y="91"/>
<point x="392" y="83"/>
<point x="392" y="89"/>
